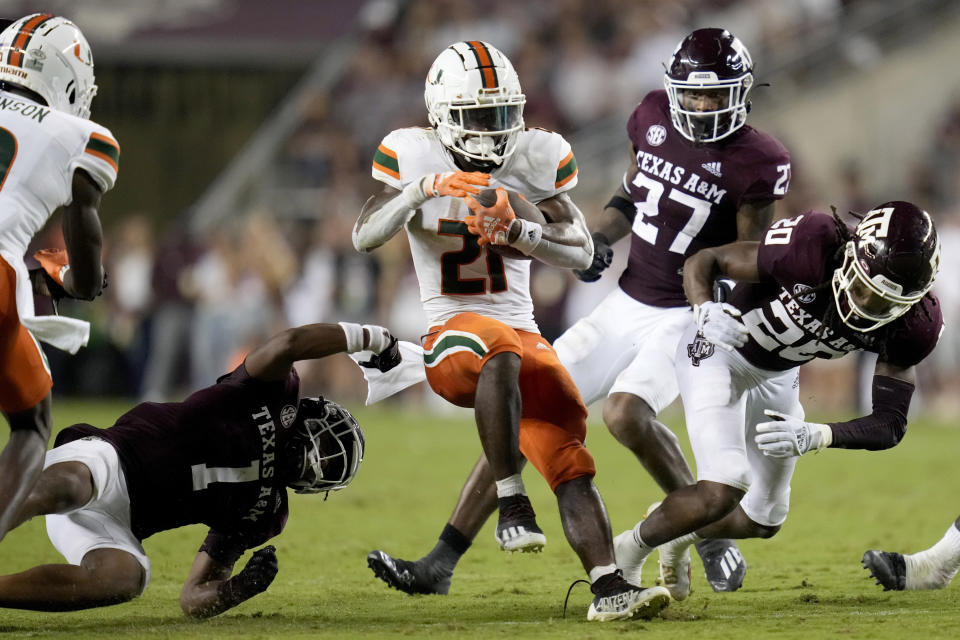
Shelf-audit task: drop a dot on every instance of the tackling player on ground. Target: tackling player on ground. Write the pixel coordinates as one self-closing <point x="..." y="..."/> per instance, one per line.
<point x="809" y="289"/>
<point x="51" y="156"/>
<point x="698" y="177"/>
<point x="483" y="348"/>
<point x="224" y="457"/>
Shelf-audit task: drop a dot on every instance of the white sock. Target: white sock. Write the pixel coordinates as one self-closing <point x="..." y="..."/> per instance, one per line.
<point x="597" y="572"/>
<point x="670" y="552"/>
<point x="510" y="486"/>
<point x="935" y="567"/>
<point x="640" y="543"/>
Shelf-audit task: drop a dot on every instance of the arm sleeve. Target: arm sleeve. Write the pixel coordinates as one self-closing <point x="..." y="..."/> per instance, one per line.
<point x="766" y="169"/>
<point x="225" y="549"/>
<point x="566" y="177"/>
<point x="99" y="157"/>
<point x="886" y="426"/>
<point x="798" y="248"/>
<point x="386" y="162"/>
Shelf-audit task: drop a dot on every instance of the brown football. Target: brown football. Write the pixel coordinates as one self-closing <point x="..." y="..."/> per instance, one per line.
<point x="521" y="207"/>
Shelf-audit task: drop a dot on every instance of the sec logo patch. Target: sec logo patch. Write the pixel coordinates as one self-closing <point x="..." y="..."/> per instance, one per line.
<point x="656" y="134"/>
<point x="287" y="415"/>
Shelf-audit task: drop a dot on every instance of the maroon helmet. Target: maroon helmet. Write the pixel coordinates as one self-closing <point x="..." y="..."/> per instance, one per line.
<point x="708" y="79"/>
<point x="888" y="266"/>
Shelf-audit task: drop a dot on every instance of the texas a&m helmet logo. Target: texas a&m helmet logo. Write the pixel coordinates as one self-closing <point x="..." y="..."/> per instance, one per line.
<point x="875" y="224"/>
<point x="699" y="349"/>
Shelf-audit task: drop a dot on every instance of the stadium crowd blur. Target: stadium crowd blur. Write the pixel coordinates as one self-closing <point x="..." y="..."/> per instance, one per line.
<point x="182" y="308"/>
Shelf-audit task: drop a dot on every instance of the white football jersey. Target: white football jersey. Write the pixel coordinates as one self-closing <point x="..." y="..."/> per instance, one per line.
<point x="40" y="148"/>
<point x="457" y="275"/>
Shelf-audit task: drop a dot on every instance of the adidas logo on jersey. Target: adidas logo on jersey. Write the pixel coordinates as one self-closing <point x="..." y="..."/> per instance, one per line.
<point x="713" y="167"/>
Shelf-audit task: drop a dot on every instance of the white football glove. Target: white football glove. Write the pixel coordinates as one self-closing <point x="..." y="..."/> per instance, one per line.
<point x="719" y="323"/>
<point x="786" y="436"/>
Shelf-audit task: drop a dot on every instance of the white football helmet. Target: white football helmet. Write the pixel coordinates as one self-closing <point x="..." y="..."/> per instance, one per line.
<point x="49" y="55"/>
<point x="475" y="102"/>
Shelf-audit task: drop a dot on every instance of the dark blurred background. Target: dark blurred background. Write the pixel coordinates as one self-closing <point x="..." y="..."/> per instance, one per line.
<point x="247" y="130"/>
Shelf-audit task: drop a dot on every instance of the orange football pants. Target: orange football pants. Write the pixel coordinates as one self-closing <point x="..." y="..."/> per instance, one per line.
<point x="24" y="378"/>
<point x="553" y="422"/>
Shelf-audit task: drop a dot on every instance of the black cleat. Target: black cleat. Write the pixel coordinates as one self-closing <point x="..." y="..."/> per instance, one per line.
<point x="723" y="563"/>
<point x="889" y="569"/>
<point x="617" y="599"/>
<point x="517" y="528"/>
<point x="409" y="577"/>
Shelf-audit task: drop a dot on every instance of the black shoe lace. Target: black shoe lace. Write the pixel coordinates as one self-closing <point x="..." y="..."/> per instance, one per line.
<point x="567" y="599"/>
<point x="516" y="508"/>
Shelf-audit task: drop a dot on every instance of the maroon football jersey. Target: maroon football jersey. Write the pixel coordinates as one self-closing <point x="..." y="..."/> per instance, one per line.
<point x="212" y="459"/>
<point x="785" y="312"/>
<point x="687" y="196"/>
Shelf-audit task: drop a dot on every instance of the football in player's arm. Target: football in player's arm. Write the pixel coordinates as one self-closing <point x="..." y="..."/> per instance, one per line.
<point x="810" y="288"/>
<point x="52" y="157"/>
<point x="224" y="457"/>
<point x="483" y="348"/>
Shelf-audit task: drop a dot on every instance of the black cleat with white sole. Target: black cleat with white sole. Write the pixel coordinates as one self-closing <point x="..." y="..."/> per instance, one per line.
<point x="517" y="528"/>
<point x="617" y="599"/>
<point x="889" y="569"/>
<point x="409" y="577"/>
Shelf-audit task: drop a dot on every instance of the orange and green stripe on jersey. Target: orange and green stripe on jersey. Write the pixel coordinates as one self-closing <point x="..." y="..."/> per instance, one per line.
<point x="19" y="44"/>
<point x="566" y="170"/>
<point x="451" y="342"/>
<point x="488" y="72"/>
<point x="105" y="148"/>
<point x="385" y="160"/>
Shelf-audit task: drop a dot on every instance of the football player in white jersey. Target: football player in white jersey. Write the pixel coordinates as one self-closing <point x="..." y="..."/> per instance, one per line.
<point x="51" y="156"/>
<point x="483" y="348"/>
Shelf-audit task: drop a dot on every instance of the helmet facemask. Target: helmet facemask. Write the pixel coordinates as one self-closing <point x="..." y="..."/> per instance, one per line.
<point x="484" y="130"/>
<point x="326" y="448"/>
<point x="867" y="303"/>
<point x="708" y="125"/>
<point x="475" y="102"/>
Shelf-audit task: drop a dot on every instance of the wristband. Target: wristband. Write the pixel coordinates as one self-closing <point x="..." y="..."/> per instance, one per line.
<point x="354" y="335"/>
<point x="530" y="236"/>
<point x="624" y="206"/>
<point x="417" y="192"/>
<point x="380" y="338"/>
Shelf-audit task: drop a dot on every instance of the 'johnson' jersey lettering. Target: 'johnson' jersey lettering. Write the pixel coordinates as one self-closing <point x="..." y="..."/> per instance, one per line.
<point x="786" y="311"/>
<point x="687" y="196"/>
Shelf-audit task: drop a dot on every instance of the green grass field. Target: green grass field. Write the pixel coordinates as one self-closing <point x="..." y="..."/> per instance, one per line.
<point x="804" y="583"/>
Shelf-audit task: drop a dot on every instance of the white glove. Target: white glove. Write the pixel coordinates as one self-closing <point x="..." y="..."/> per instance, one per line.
<point x="718" y="322"/>
<point x="786" y="436"/>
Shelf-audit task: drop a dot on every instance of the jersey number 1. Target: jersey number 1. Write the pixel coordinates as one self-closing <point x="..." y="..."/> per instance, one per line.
<point x="450" y="263"/>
